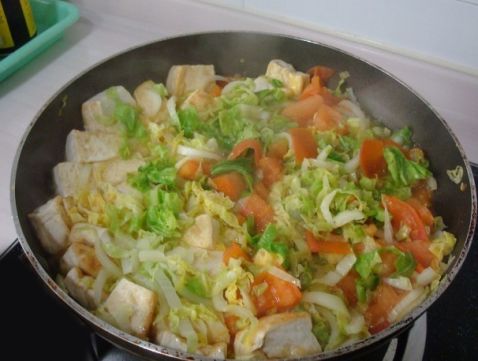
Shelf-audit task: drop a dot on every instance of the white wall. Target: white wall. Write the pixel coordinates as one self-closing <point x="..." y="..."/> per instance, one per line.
<point x="439" y="31"/>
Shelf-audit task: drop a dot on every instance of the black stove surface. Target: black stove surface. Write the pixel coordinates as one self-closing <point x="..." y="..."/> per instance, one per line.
<point x="37" y="327"/>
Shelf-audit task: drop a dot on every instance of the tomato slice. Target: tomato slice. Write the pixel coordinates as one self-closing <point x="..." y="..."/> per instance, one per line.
<point x="372" y="162"/>
<point x="347" y="285"/>
<point x="241" y="147"/>
<point x="278" y="149"/>
<point x="257" y="207"/>
<point x="278" y="296"/>
<point x="234" y="251"/>
<point x="303" y="144"/>
<point x="422" y="210"/>
<point x="303" y="110"/>
<point x="384" y="300"/>
<point x="331" y="244"/>
<point x="404" y="214"/>
<point x="189" y="170"/>
<point x="312" y="89"/>
<point x="271" y="170"/>
<point x="326" y="118"/>
<point x="231" y="184"/>
<point x="323" y="72"/>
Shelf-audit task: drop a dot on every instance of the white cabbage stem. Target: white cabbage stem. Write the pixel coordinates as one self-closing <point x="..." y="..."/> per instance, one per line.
<point x="105" y="261"/>
<point x="356" y="324"/>
<point x="341" y="218"/>
<point x="387" y="225"/>
<point x="342" y="268"/>
<point x="277" y="272"/>
<point x="167" y="289"/>
<point x="327" y="300"/>
<point x="401" y="283"/>
<point x="427" y="276"/>
<point x="409" y="302"/>
<point x="171" y="106"/>
<point x="352" y="165"/>
<point x="198" y="153"/>
<point x="99" y="285"/>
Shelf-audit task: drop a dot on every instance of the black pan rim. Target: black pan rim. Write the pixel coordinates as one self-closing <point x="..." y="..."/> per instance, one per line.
<point x="154" y="349"/>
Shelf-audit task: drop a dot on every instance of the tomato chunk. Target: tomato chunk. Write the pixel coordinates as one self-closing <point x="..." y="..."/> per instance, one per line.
<point x="271" y="170"/>
<point x="303" y="144"/>
<point x="384" y="300"/>
<point x="231" y="184"/>
<point x="303" y="110"/>
<point x="257" y="207"/>
<point x="234" y="251"/>
<point x="241" y="147"/>
<point x="278" y="295"/>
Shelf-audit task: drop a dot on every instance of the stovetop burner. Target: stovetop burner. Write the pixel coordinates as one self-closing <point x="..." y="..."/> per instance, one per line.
<point x="35" y="326"/>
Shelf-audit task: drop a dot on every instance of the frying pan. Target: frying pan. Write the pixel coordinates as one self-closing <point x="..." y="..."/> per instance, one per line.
<point x="381" y="95"/>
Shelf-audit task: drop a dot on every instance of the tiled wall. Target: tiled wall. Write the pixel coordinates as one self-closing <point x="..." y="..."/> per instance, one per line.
<point x="444" y="31"/>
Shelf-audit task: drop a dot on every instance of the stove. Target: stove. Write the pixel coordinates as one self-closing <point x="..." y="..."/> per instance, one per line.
<point x="36" y="326"/>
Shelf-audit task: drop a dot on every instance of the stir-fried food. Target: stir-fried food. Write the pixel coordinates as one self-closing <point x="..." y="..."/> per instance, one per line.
<point x="238" y="217"/>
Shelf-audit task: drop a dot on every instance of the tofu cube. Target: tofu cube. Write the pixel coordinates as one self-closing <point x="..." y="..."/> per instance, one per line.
<point x="82" y="256"/>
<point x="115" y="171"/>
<point x="132" y="306"/>
<point x="184" y="79"/>
<point x="281" y="335"/>
<point x="98" y="112"/>
<point x="198" y="99"/>
<point x="85" y="233"/>
<point x="49" y="222"/>
<point x="203" y="233"/>
<point x="170" y="340"/>
<point x="152" y="105"/>
<point x="216" y="351"/>
<point x="71" y="178"/>
<point x="294" y="81"/>
<point x="80" y="287"/>
<point x="91" y="146"/>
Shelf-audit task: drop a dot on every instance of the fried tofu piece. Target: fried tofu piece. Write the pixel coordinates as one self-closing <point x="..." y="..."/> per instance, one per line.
<point x="203" y="233"/>
<point x="169" y="339"/>
<point x="71" y="178"/>
<point x="91" y="146"/>
<point x="49" y="222"/>
<point x="81" y="256"/>
<point x="132" y="306"/>
<point x="150" y="101"/>
<point x="294" y="81"/>
<point x="79" y="286"/>
<point x="98" y="112"/>
<point x="116" y="171"/>
<point x="198" y="99"/>
<point x="216" y="351"/>
<point x="184" y="79"/>
<point x="85" y="233"/>
<point x="281" y="335"/>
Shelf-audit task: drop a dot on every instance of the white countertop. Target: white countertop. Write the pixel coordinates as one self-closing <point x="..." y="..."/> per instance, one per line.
<point x="107" y="27"/>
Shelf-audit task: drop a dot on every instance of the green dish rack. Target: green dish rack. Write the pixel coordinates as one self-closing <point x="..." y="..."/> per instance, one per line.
<point x="52" y="18"/>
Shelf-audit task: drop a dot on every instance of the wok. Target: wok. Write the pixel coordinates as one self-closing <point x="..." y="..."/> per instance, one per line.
<point x="381" y="95"/>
